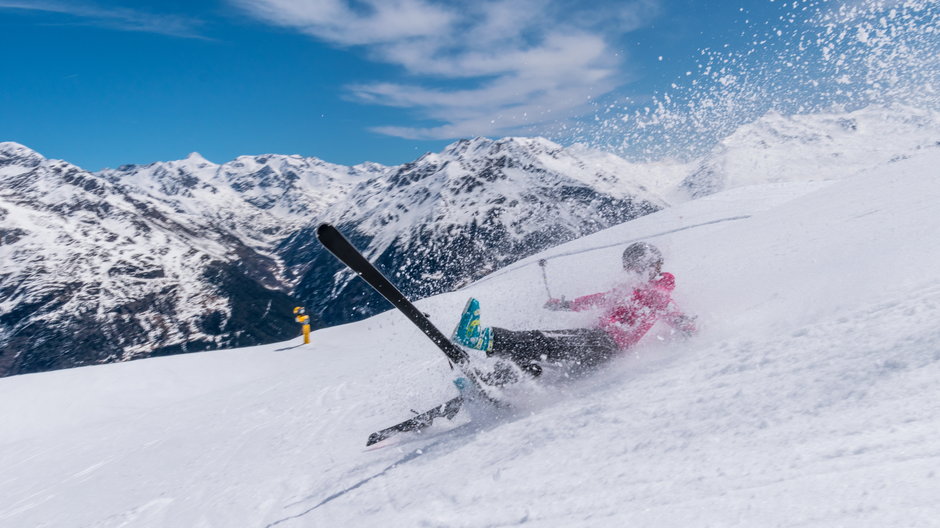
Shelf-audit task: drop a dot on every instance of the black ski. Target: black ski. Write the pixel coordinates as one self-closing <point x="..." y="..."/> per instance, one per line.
<point x="337" y="244"/>
<point x="447" y="410"/>
<point x="343" y="250"/>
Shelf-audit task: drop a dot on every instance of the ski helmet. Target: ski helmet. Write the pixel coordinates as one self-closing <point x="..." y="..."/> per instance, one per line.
<point x="642" y="256"/>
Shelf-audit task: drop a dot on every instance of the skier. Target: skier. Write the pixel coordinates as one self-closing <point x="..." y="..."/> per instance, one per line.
<point x="626" y="313"/>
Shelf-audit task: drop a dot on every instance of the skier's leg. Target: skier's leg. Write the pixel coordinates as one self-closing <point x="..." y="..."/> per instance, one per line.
<point x="520" y="346"/>
<point x="584" y="346"/>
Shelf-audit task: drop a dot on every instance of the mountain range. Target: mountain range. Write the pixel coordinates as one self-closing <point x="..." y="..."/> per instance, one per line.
<point x="190" y="255"/>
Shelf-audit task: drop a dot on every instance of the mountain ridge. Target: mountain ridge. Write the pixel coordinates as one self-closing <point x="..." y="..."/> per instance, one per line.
<point x="158" y="258"/>
<point x="190" y="255"/>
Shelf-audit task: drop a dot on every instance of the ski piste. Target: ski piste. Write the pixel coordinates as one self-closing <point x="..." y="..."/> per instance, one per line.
<point x="342" y="249"/>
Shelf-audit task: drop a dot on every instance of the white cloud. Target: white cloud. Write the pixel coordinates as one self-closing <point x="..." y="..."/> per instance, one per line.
<point x="122" y="19"/>
<point x="368" y="22"/>
<point x="520" y="63"/>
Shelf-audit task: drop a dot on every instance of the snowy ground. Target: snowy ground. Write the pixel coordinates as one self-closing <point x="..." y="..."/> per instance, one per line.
<point x="808" y="399"/>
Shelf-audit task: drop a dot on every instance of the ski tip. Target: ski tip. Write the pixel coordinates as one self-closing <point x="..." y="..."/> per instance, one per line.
<point x="325" y="228"/>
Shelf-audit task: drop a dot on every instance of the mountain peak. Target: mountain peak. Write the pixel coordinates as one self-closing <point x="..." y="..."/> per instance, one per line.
<point x="12" y="149"/>
<point x="537" y="141"/>
<point x="486" y="146"/>
<point x="196" y="158"/>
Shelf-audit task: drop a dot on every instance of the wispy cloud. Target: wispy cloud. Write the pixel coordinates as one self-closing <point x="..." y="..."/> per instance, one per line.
<point x="519" y="64"/>
<point x="118" y="18"/>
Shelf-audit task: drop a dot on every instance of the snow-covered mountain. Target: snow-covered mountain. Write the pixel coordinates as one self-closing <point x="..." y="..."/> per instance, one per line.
<point x="148" y="260"/>
<point x="807" y="399"/>
<point x="813" y="147"/>
<point x="259" y="199"/>
<point x="188" y="255"/>
<point x="449" y="218"/>
<point x="96" y="270"/>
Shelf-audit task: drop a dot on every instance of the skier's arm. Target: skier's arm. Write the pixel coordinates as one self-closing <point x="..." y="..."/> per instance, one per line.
<point x="577" y="305"/>
<point x="587" y="302"/>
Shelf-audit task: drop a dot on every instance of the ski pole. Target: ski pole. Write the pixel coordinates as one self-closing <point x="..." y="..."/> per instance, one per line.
<point x="542" y="263"/>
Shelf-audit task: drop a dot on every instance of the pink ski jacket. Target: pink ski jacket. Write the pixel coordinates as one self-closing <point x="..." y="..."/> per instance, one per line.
<point x="630" y="311"/>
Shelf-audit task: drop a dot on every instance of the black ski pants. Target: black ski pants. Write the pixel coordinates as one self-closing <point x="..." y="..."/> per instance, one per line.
<point x="586" y="347"/>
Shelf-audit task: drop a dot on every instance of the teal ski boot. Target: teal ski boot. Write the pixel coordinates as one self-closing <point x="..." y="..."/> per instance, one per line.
<point x="469" y="333"/>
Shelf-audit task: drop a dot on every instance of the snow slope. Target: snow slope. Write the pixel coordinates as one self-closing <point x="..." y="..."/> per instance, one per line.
<point x="808" y="399"/>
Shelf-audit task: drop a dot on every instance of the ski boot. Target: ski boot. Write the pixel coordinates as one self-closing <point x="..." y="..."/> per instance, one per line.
<point x="468" y="332"/>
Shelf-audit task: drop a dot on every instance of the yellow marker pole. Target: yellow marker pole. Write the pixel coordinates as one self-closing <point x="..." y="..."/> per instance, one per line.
<point x="304" y="320"/>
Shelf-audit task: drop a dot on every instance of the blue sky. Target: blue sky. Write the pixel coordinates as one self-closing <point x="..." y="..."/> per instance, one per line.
<point x="102" y="83"/>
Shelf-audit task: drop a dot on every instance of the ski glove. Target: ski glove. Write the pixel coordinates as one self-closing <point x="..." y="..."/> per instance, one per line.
<point x="558" y="305"/>
<point x="684" y="325"/>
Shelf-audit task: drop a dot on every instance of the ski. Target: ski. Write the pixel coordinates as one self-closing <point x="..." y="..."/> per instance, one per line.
<point x="342" y="249"/>
<point x="421" y="421"/>
<point x="469" y="383"/>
